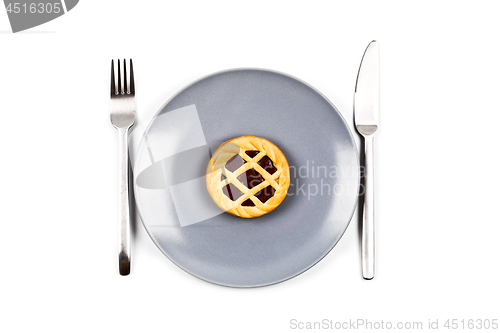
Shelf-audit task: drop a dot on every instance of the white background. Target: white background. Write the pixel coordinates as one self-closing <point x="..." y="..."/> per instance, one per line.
<point x="436" y="162"/>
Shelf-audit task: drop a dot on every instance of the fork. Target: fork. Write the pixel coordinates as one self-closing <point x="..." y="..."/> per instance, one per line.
<point x="122" y="114"/>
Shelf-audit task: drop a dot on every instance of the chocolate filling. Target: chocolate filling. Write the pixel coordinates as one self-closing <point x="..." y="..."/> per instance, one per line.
<point x="232" y="192"/>
<point x="266" y="164"/>
<point x="265" y="194"/>
<point x="252" y="153"/>
<point x="248" y="203"/>
<point x="250" y="178"/>
<point x="234" y="163"/>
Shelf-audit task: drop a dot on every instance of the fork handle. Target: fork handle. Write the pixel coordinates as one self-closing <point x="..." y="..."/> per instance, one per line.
<point x="368" y="230"/>
<point x="124" y="250"/>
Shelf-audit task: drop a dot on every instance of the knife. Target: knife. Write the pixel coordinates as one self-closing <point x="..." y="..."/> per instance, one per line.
<point x="366" y="111"/>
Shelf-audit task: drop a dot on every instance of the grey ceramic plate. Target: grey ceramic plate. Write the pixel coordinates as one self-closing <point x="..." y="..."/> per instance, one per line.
<point x="224" y="249"/>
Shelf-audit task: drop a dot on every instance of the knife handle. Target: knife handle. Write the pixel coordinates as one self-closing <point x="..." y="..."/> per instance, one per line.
<point x="368" y="231"/>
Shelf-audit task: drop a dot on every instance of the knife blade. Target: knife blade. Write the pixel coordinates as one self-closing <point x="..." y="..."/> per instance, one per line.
<point x="366" y="114"/>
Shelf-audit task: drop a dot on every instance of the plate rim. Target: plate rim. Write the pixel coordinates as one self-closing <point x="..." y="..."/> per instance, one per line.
<point x="239" y="69"/>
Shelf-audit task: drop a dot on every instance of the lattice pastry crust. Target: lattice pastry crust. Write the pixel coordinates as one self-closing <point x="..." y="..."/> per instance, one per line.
<point x="219" y="177"/>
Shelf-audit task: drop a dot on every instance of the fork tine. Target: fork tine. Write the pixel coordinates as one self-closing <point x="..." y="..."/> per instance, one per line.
<point x="113" y="85"/>
<point x="125" y="90"/>
<point x="132" y="84"/>
<point x="120" y="90"/>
